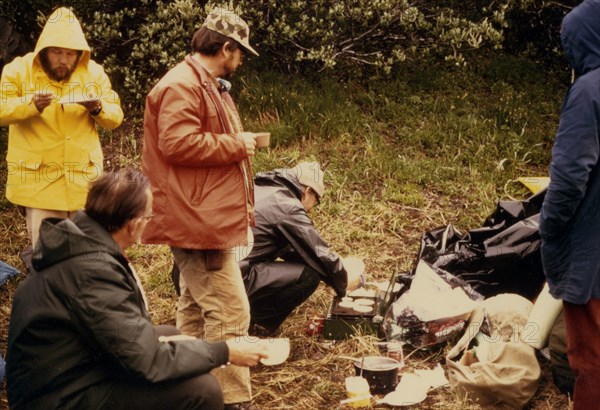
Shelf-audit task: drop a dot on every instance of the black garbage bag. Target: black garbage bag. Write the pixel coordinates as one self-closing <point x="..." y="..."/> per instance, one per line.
<point x="502" y="256"/>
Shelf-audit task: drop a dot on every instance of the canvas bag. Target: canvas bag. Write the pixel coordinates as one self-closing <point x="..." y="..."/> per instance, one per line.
<point x="504" y="374"/>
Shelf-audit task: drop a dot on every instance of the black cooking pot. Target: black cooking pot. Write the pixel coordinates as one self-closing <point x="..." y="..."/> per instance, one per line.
<point x="381" y="373"/>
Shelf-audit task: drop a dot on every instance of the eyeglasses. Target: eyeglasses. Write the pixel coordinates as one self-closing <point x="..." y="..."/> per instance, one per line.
<point x="316" y="196"/>
<point x="243" y="54"/>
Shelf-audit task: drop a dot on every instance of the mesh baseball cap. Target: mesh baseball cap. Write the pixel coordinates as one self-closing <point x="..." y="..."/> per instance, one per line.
<point x="229" y="24"/>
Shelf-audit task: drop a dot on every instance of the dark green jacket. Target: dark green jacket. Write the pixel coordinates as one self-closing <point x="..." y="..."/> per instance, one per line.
<point x="80" y="321"/>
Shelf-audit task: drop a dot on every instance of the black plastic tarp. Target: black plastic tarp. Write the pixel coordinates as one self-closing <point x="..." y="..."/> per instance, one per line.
<point x="502" y="256"/>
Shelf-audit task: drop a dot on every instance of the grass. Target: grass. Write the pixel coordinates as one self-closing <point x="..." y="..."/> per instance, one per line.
<point x="432" y="147"/>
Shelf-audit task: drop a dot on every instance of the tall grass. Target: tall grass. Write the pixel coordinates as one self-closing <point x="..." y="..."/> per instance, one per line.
<point x="458" y="134"/>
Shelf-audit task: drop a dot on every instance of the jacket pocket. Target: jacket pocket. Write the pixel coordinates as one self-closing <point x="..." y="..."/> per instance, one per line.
<point x="555" y="255"/>
<point x="93" y="169"/>
<point x="23" y="165"/>
<point x="186" y="184"/>
<point x="23" y="158"/>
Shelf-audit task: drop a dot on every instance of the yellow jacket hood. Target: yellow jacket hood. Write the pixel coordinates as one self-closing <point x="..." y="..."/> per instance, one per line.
<point x="63" y="30"/>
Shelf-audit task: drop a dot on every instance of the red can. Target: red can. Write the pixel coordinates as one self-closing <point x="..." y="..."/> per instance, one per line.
<point x="394" y="350"/>
<point x="315" y="326"/>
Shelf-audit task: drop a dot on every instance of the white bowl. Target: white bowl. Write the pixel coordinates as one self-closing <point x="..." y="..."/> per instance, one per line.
<point x="278" y="350"/>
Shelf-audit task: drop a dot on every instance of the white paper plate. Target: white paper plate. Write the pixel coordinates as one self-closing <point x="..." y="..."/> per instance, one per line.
<point x="175" y="338"/>
<point x="347" y="304"/>
<point x="365" y="302"/>
<point x="363" y="309"/>
<point x="362" y="293"/>
<point x="396" y="398"/>
<point x="384" y="286"/>
<point x="76" y="99"/>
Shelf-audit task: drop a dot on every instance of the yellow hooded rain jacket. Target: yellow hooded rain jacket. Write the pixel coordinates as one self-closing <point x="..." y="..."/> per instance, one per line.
<point x="54" y="155"/>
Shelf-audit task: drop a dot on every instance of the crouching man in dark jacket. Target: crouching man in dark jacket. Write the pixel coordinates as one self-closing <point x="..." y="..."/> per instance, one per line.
<point x="289" y="257"/>
<point x="80" y="335"/>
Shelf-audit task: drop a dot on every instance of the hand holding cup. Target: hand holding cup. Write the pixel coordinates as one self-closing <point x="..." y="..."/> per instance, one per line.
<point x="246" y="351"/>
<point x="249" y="141"/>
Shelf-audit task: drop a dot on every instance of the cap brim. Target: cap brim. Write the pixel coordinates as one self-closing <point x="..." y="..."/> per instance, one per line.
<point x="249" y="49"/>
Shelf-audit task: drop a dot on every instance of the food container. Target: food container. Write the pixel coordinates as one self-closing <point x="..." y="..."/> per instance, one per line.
<point x="358" y="392"/>
<point x="381" y="373"/>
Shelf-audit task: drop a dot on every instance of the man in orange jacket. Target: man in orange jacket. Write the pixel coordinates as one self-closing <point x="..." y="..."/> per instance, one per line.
<point x="197" y="157"/>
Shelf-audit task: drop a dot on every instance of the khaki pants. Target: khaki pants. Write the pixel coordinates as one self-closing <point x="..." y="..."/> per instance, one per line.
<point x="213" y="306"/>
<point x="34" y="217"/>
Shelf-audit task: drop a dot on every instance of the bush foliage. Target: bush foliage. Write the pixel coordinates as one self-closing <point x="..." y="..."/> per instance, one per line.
<point x="139" y="40"/>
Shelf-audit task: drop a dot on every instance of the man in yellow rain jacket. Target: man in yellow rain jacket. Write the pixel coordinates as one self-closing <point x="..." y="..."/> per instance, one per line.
<point x="51" y="100"/>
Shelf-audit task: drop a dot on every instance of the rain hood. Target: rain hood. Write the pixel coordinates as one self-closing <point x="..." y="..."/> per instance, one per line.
<point x="62" y="239"/>
<point x="63" y="30"/>
<point x="580" y="36"/>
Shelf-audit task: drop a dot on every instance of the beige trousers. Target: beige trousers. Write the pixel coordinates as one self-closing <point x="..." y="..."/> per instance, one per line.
<point x="34" y="217"/>
<point x="214" y="306"/>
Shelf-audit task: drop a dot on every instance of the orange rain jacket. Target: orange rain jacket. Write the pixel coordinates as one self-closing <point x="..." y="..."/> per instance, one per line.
<point x="194" y="160"/>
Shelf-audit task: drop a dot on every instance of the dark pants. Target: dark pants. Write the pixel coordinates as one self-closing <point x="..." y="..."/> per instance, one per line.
<point x="582" y="324"/>
<point x="199" y="392"/>
<point x="269" y="307"/>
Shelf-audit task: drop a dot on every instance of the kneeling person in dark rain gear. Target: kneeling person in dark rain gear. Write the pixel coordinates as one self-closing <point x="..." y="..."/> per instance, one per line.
<point x="289" y="257"/>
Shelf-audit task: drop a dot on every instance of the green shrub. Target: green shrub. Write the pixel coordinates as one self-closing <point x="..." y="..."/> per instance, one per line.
<point x="367" y="36"/>
<point x="139" y="40"/>
<point x="150" y="47"/>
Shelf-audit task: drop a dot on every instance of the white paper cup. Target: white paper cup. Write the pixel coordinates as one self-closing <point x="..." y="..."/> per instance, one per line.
<point x="262" y="139"/>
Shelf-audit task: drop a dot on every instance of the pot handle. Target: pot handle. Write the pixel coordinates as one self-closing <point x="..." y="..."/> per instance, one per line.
<point x="355" y="360"/>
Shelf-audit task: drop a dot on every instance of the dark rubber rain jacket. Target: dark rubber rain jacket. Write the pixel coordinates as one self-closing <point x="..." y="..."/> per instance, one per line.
<point x="284" y="230"/>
